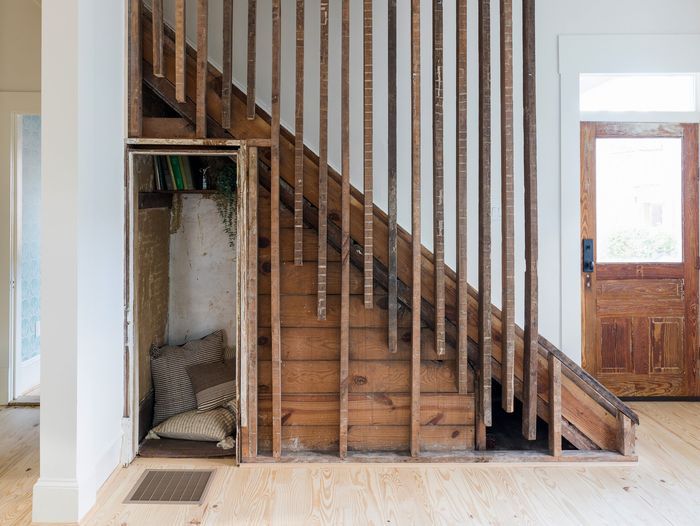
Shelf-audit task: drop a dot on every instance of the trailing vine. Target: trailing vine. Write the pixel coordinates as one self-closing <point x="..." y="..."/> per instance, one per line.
<point x="226" y="197"/>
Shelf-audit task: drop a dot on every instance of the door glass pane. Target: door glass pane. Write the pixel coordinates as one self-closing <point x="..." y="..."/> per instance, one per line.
<point x="29" y="209"/>
<point x="638" y="199"/>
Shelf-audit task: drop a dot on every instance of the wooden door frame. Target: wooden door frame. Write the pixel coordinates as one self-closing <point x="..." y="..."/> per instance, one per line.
<point x="212" y="147"/>
<point x="590" y="131"/>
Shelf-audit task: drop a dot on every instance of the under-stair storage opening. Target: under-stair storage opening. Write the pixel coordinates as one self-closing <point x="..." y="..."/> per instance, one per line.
<point x="184" y="304"/>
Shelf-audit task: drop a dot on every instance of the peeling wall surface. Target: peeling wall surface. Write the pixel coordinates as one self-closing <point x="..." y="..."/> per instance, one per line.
<point x="202" y="273"/>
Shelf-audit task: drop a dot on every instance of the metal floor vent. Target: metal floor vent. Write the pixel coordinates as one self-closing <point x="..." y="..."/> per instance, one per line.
<point x="171" y="486"/>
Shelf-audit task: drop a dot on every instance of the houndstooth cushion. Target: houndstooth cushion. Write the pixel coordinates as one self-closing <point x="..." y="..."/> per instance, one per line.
<point x="212" y="426"/>
<point x="171" y="383"/>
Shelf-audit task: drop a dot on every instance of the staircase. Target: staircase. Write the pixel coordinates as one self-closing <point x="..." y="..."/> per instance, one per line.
<point x="586" y="414"/>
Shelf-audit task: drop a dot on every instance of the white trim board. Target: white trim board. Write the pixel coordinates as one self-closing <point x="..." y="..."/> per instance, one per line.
<point x="602" y="54"/>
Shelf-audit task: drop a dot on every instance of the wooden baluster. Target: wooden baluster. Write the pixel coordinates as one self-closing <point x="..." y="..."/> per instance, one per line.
<point x="202" y="66"/>
<point x="554" y="406"/>
<point x="368" y="157"/>
<point x="252" y="32"/>
<point x="345" y="229"/>
<point x="323" y="166"/>
<point x="180" y="51"/>
<point x="275" y="234"/>
<point x="157" y="24"/>
<point x="391" y="174"/>
<point x="135" y="70"/>
<point x="253" y="302"/>
<point x="507" y="210"/>
<point x="462" y="248"/>
<point x="227" y="75"/>
<point x="531" y="349"/>
<point x="485" y="211"/>
<point x="438" y="178"/>
<point x="415" y="226"/>
<point x="299" y="141"/>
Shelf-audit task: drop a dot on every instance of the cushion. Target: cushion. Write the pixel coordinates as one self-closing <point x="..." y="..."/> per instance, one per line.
<point x="213" y="384"/>
<point x="171" y="383"/>
<point x="212" y="426"/>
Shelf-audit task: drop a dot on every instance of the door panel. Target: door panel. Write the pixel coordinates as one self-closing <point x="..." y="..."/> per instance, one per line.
<point x="639" y="206"/>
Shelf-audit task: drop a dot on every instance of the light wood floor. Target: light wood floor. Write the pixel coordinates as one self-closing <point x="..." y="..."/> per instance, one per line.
<point x="662" y="489"/>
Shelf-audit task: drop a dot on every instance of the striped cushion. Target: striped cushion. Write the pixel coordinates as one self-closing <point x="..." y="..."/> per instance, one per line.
<point x="171" y="383"/>
<point x="214" y="383"/>
<point x="212" y="426"/>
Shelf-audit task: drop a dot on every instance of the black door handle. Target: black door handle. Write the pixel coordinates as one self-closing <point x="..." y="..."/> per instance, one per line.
<point x="588" y="258"/>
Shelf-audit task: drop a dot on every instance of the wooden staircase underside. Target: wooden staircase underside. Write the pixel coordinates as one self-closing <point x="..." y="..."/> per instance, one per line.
<point x="592" y="417"/>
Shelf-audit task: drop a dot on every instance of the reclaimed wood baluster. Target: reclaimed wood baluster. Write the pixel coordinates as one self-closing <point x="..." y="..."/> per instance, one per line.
<point x="275" y="234"/>
<point x="462" y="248"/>
<point x="299" y="141"/>
<point x="531" y="239"/>
<point x="484" y="315"/>
<point x="415" y="226"/>
<point x="202" y="66"/>
<point x="393" y="338"/>
<point x="157" y="24"/>
<point x="507" y="211"/>
<point x="323" y="166"/>
<point x="180" y="51"/>
<point x="252" y="34"/>
<point x="438" y="178"/>
<point x="345" y="228"/>
<point x="368" y="157"/>
<point x="253" y="302"/>
<point x="227" y="74"/>
<point x="135" y="70"/>
<point x="554" y="406"/>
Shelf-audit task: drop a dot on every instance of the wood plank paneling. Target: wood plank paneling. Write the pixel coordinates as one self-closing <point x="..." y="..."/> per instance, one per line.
<point x="485" y="210"/>
<point x="368" y="153"/>
<point x="438" y="176"/>
<point x="507" y="209"/>
<point x="345" y="228"/>
<point x="392" y="248"/>
<point x="251" y="58"/>
<point x="415" y="225"/>
<point x="462" y="246"/>
<point x="299" y="139"/>
<point x="275" y="317"/>
<point x="157" y="18"/>
<point x="202" y="66"/>
<point x="531" y="335"/>
<point x="323" y="164"/>
<point x="227" y="74"/>
<point x="180" y="51"/>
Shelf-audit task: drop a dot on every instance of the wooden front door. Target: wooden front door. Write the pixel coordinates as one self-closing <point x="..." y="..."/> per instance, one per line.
<point x="639" y="225"/>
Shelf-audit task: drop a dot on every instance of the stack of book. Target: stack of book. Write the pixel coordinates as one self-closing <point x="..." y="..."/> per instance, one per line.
<point x="173" y="172"/>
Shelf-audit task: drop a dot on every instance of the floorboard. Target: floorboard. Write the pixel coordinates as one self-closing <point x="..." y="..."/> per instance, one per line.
<point x="662" y="488"/>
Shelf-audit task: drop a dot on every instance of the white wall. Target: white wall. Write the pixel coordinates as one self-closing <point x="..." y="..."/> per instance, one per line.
<point x="558" y="255"/>
<point x="83" y="107"/>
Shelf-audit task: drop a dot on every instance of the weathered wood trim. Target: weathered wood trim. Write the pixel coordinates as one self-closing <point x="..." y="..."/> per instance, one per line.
<point x="323" y="163"/>
<point x="531" y="236"/>
<point x="252" y="328"/>
<point x="299" y="139"/>
<point x="626" y="444"/>
<point x="157" y="21"/>
<point x="180" y="51"/>
<point x="345" y="228"/>
<point x="227" y="74"/>
<point x="507" y="209"/>
<point x="202" y="66"/>
<point x="484" y="315"/>
<point x="368" y="153"/>
<point x="554" y="406"/>
<point x="275" y="233"/>
<point x="251" y="58"/>
<point x="135" y="70"/>
<point x="392" y="250"/>
<point x="415" y="225"/>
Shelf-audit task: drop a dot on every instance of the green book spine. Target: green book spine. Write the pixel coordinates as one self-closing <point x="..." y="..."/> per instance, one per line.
<point x="184" y="169"/>
<point x="171" y="174"/>
<point x="179" y="184"/>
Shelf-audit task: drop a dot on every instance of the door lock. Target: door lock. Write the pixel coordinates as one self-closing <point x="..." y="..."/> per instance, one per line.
<point x="588" y="256"/>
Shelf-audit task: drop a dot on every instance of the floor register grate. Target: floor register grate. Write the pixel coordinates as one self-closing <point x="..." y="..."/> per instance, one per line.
<point x="171" y="486"/>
